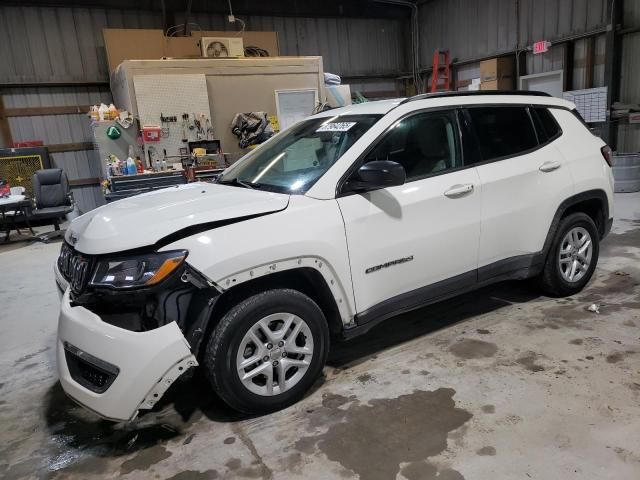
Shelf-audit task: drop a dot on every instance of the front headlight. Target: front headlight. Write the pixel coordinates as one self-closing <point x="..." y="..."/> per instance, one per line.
<point x="138" y="271"/>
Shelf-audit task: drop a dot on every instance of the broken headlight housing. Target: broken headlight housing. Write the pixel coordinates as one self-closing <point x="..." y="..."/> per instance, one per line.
<point x="137" y="271"/>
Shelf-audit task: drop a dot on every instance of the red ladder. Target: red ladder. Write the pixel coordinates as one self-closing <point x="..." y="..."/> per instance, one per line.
<point x="441" y="74"/>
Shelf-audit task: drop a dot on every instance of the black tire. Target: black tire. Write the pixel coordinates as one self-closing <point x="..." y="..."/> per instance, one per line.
<point x="222" y="349"/>
<point x="551" y="280"/>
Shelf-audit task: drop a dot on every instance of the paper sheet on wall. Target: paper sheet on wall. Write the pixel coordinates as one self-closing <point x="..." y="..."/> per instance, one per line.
<point x="294" y="105"/>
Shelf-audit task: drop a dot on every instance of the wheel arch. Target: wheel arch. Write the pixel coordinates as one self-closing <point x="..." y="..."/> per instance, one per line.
<point x="593" y="203"/>
<point x="304" y="279"/>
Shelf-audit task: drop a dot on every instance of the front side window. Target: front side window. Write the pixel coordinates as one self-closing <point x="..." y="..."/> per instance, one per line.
<point x="503" y="131"/>
<point x="424" y="144"/>
<point x="295" y="160"/>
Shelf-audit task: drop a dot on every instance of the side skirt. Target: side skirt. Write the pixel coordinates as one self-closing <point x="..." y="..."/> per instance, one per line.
<point x="513" y="268"/>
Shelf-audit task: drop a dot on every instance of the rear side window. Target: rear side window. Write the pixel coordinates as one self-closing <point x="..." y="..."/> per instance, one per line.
<point x="503" y="131"/>
<point x="547" y="123"/>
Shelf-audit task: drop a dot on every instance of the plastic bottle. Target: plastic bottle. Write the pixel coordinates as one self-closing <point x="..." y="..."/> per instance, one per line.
<point x="102" y="111"/>
<point x="112" y="112"/>
<point x="131" y="163"/>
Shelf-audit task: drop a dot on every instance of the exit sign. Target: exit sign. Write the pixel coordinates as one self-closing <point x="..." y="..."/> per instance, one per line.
<point x="541" y="46"/>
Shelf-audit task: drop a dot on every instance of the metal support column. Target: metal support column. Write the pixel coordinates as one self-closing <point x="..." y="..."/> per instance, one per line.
<point x="612" y="67"/>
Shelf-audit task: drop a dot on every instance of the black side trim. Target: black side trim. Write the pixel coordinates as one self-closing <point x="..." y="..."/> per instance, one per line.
<point x="412" y="300"/>
<point x="607" y="227"/>
<point x="514" y="268"/>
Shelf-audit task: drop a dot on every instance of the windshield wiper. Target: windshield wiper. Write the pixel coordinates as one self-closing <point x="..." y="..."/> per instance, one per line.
<point x="240" y="183"/>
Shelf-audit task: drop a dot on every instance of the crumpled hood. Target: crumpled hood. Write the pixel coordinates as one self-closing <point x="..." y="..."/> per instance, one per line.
<point x="145" y="219"/>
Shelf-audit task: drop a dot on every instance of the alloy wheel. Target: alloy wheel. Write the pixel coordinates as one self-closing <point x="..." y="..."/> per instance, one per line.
<point x="574" y="258"/>
<point x="274" y="354"/>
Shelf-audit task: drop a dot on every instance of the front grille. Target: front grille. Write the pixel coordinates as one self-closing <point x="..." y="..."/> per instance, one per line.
<point x="89" y="371"/>
<point x="75" y="268"/>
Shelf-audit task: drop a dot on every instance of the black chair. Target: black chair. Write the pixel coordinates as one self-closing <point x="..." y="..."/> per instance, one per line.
<point x="52" y="199"/>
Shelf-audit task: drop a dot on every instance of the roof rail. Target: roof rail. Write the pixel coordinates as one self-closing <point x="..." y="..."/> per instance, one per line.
<point x="425" y="96"/>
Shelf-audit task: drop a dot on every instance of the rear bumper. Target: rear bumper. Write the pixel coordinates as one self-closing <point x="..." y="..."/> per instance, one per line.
<point x="141" y="365"/>
<point x="607" y="227"/>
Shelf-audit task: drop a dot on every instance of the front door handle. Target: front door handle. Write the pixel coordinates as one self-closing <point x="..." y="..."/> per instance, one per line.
<point x="459" y="190"/>
<point x="549" y="166"/>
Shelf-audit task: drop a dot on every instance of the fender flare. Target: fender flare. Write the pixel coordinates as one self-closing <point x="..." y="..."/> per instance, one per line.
<point x="339" y="291"/>
<point x="596" y="194"/>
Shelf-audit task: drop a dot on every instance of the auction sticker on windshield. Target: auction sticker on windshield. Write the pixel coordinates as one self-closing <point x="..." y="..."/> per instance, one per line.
<point x="336" y="127"/>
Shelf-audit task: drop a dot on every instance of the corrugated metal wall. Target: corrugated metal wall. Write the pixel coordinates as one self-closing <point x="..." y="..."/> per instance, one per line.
<point x="40" y="44"/>
<point x="60" y="44"/>
<point x="349" y="46"/>
<point x="468" y="28"/>
<point x="554" y="20"/>
<point x="471" y="29"/>
<point x="629" y="134"/>
<point x="55" y="129"/>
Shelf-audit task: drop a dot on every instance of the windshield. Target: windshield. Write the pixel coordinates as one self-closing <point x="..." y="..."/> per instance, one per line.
<point x="295" y="160"/>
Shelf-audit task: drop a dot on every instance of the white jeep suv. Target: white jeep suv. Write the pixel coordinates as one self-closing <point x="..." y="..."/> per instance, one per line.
<point x="344" y="220"/>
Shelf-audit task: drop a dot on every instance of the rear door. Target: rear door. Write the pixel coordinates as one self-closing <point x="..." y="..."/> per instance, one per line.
<point x="426" y="231"/>
<point x="524" y="179"/>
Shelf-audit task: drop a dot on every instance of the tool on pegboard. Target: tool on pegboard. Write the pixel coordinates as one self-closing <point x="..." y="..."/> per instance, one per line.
<point x="165" y="121"/>
<point x="185" y="127"/>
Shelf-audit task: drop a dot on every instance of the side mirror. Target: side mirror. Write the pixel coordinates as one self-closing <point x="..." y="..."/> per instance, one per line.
<point x="378" y="174"/>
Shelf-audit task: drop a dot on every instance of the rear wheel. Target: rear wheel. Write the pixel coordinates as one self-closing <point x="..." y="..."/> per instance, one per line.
<point x="573" y="256"/>
<point x="267" y="351"/>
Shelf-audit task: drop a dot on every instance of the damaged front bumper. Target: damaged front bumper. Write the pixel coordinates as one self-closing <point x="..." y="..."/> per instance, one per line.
<point x="116" y="372"/>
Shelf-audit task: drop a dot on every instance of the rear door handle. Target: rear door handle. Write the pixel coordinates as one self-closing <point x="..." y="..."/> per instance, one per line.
<point x="459" y="190"/>
<point x="549" y="166"/>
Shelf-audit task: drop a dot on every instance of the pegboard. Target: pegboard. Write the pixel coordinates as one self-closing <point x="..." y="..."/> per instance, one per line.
<point x="591" y="103"/>
<point x="171" y="95"/>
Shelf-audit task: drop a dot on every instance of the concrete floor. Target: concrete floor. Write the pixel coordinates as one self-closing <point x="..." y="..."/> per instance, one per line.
<point x="497" y="384"/>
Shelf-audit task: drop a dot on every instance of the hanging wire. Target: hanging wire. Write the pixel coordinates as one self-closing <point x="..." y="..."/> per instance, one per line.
<point x="241" y="31"/>
<point x="181" y="27"/>
<point x="415" y="40"/>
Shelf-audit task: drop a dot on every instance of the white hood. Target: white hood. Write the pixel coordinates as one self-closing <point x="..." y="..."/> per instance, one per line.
<point x="142" y="220"/>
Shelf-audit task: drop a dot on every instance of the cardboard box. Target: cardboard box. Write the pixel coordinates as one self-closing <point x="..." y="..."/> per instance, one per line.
<point x="338" y="95"/>
<point x="132" y="44"/>
<point x="497" y="68"/>
<point x="147" y="44"/>
<point x="502" y="84"/>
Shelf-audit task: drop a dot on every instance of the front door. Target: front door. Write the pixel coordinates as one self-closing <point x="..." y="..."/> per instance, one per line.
<point x="405" y="238"/>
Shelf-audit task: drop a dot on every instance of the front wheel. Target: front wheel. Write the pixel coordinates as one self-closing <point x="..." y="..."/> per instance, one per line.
<point x="267" y="351"/>
<point x="573" y="256"/>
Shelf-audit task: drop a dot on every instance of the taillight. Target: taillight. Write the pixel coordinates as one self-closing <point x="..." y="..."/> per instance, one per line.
<point x="607" y="154"/>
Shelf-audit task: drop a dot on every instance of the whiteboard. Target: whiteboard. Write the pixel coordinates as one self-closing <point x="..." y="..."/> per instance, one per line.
<point x="171" y="95"/>
<point x="293" y="105"/>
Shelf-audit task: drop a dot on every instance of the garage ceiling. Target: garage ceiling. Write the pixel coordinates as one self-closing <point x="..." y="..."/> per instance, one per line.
<point x="298" y="8"/>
